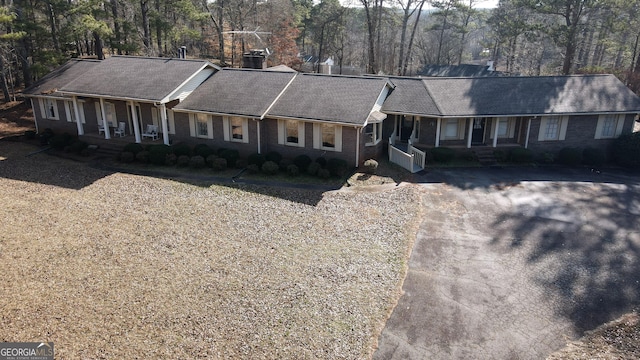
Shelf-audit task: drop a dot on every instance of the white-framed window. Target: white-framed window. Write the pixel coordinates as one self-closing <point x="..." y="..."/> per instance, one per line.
<point x="49" y="109"/>
<point x="553" y="128"/>
<point x="452" y="129"/>
<point x="201" y="125"/>
<point x="71" y="112"/>
<point x="236" y="129"/>
<point x="609" y="126"/>
<point x="156" y="117"/>
<point x="327" y="137"/>
<point x="110" y="112"/>
<point x="506" y="127"/>
<point x="373" y="133"/>
<point x="291" y="132"/>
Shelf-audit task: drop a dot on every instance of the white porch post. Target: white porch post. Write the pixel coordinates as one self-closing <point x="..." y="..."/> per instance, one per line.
<point x="165" y="127"/>
<point x="105" y="123"/>
<point x="136" y="123"/>
<point x="526" y="140"/>
<point x="259" y="136"/>
<point x="78" y="119"/>
<point x="438" y="121"/>
<point x="495" y="131"/>
<point x="470" y="132"/>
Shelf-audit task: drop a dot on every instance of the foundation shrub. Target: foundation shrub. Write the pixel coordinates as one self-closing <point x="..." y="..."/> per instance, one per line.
<point x="231" y="156"/>
<point x="183" y="161"/>
<point x="546" y="158"/>
<point x="158" y="154"/>
<point x="60" y="141"/>
<point x="77" y="146"/>
<point x="133" y="148"/>
<point x="593" y="156"/>
<point x="501" y="155"/>
<point x="241" y="163"/>
<point x="284" y="164"/>
<point x="292" y="170"/>
<point x="203" y="150"/>
<point x="302" y="162"/>
<point x="273" y="156"/>
<point x="521" y="155"/>
<point x="253" y="168"/>
<point x="170" y="159"/>
<point x="45" y="136"/>
<point x="270" y="168"/>
<point x="257" y="159"/>
<point x="625" y="150"/>
<point x="210" y="159"/>
<point x="197" y="162"/>
<point x="337" y="167"/>
<point x="313" y="168"/>
<point x="219" y="164"/>
<point x="127" y="157"/>
<point x="324" y="173"/>
<point x="322" y="161"/>
<point x="443" y="154"/>
<point x="142" y="156"/>
<point x="181" y="149"/>
<point x="570" y="156"/>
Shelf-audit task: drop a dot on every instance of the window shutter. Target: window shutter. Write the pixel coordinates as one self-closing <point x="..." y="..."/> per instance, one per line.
<point x="317" y="136"/>
<point x="338" y="138"/>
<point x="68" y="108"/>
<point x="281" y="132"/>
<point x="301" y="126"/>
<point x="620" y="124"/>
<point x="225" y="128"/>
<point x="563" y="127"/>
<point x="43" y="113"/>
<point x="245" y="130"/>
<point x="541" y="131"/>
<point x="209" y="127"/>
<point x="192" y="125"/>
<point x="171" y="121"/>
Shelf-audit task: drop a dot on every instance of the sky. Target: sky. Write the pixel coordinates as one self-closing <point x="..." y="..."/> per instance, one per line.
<point x="486" y="4"/>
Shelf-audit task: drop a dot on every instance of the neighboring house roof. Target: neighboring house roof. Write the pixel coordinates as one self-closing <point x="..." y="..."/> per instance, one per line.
<point x="545" y="95"/>
<point x="136" y="78"/>
<point x="244" y="92"/>
<point x="463" y="70"/>
<point x="59" y="77"/>
<point x="335" y="98"/>
<point x="280" y="68"/>
<point x="410" y="97"/>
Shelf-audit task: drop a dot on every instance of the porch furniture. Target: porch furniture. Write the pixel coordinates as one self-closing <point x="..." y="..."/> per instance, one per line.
<point x="100" y="129"/>
<point x="151" y="132"/>
<point x="119" y="130"/>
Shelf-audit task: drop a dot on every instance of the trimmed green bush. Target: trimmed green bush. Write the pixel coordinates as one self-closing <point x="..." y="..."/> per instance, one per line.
<point x="231" y="156"/>
<point x="443" y="154"/>
<point x="370" y="166"/>
<point x="30" y="134"/>
<point x="302" y="162"/>
<point x="158" y="154"/>
<point x="241" y="163"/>
<point x="133" y="148"/>
<point x="293" y="170"/>
<point x="197" y="162"/>
<point x="467" y="156"/>
<point x="210" y="159"/>
<point x="284" y="164"/>
<point x="570" y="156"/>
<point x="77" y="146"/>
<point x="60" y="141"/>
<point x="257" y="159"/>
<point x="45" y="136"/>
<point x="521" y="155"/>
<point x="181" y="149"/>
<point x="273" y="156"/>
<point x="127" y="157"/>
<point x="500" y="155"/>
<point x="322" y="161"/>
<point x="183" y="161"/>
<point x="547" y="158"/>
<point x="313" y="168"/>
<point x="253" y="168"/>
<point x="170" y="159"/>
<point x="625" y="150"/>
<point x="324" y="173"/>
<point x="593" y="157"/>
<point x="270" y="168"/>
<point x="203" y="150"/>
<point x="219" y="164"/>
<point x="142" y="156"/>
<point x="337" y="167"/>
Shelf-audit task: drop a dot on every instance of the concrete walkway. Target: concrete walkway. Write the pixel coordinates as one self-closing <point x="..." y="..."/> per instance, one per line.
<point x="512" y="264"/>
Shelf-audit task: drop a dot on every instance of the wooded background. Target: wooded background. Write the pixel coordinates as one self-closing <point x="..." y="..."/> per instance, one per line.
<point x="526" y="37"/>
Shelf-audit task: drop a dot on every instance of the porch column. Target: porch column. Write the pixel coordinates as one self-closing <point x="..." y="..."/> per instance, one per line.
<point x="77" y="112"/>
<point x="470" y="132"/>
<point x="526" y="140"/>
<point x="438" y="121"/>
<point x="259" y="135"/>
<point x="495" y="131"/>
<point x="136" y="123"/>
<point x="165" y="127"/>
<point x="105" y="123"/>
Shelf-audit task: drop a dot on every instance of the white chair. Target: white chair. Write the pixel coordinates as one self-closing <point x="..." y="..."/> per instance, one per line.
<point x="100" y="129"/>
<point x="119" y="130"/>
<point x="151" y="132"/>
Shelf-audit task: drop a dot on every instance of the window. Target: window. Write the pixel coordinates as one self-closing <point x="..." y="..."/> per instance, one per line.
<point x="327" y="137"/>
<point x="201" y="125"/>
<point x="49" y="109"/>
<point x="71" y="112"/>
<point x="553" y="128"/>
<point x="291" y="132"/>
<point x="452" y="129"/>
<point x="236" y="129"/>
<point x="156" y="117"/>
<point x="109" y="110"/>
<point x="609" y="126"/>
<point x="373" y="133"/>
<point x="506" y="127"/>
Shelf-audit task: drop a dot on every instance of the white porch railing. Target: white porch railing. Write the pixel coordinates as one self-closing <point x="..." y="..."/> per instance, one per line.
<point x="401" y="158"/>
<point x="412" y="160"/>
<point x="419" y="156"/>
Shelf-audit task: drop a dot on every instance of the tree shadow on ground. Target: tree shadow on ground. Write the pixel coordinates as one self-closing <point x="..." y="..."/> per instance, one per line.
<point x="584" y="246"/>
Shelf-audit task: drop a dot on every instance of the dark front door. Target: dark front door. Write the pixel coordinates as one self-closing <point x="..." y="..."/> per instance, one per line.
<point x="477" y="135"/>
<point x="406" y="127"/>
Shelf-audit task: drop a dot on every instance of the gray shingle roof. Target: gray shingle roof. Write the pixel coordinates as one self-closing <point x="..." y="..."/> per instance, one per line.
<point x="531" y="95"/>
<point x="244" y="92"/>
<point x="61" y="76"/>
<point x="410" y="96"/>
<point x="334" y="98"/>
<point x="135" y="77"/>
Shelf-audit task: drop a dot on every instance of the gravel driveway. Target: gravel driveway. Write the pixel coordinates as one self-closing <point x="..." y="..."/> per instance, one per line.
<point x="512" y="264"/>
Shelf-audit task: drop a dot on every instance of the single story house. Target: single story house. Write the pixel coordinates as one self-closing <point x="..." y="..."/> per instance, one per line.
<point x="349" y="117"/>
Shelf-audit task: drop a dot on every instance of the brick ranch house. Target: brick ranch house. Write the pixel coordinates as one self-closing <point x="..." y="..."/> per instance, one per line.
<point x="349" y="117"/>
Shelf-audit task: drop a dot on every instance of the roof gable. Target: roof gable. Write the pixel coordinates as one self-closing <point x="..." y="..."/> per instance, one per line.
<point x="243" y="92"/>
<point x="410" y="96"/>
<point x="140" y="78"/>
<point x="332" y="98"/>
<point x="496" y="96"/>
<point x="58" y="78"/>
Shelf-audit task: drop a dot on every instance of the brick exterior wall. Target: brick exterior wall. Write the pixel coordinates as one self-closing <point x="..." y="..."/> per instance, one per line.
<point x="60" y="126"/>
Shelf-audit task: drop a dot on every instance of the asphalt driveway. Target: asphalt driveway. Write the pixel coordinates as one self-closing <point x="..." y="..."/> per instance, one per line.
<point x="512" y="263"/>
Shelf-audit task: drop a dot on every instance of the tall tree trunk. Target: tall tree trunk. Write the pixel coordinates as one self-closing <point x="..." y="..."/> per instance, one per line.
<point x="413" y="34"/>
<point x="406" y="14"/>
<point x="158" y="28"/>
<point x="116" y="27"/>
<point x="98" y="45"/>
<point x="24" y="46"/>
<point x="371" y="65"/>
<point x="146" y="39"/>
<point x="3" y="81"/>
<point x="53" y="26"/>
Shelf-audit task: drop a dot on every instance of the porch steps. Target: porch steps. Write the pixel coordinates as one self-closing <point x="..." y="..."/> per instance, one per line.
<point x="486" y="157"/>
<point x="106" y="148"/>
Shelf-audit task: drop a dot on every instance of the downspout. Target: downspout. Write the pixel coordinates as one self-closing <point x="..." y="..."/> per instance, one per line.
<point x="77" y="112"/>
<point x="471" y="121"/>
<point x="35" y="118"/>
<point x="526" y="140"/>
<point x="438" y="121"/>
<point x="259" y="135"/>
<point x="359" y="133"/>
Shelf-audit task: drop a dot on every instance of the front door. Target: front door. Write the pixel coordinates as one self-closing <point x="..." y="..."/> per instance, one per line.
<point x="406" y="127"/>
<point x="477" y="135"/>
